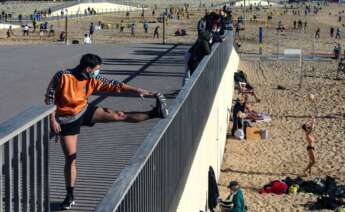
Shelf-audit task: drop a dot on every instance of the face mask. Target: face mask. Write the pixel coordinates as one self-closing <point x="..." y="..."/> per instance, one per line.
<point x="94" y="74"/>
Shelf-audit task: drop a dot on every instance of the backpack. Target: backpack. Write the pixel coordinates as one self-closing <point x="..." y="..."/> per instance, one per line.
<point x="293" y="189"/>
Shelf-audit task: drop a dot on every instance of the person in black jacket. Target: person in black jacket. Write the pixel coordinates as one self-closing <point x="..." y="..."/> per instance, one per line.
<point x="200" y="48"/>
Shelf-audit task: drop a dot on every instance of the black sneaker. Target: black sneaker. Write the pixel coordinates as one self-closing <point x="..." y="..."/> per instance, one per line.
<point x="68" y="203"/>
<point x="161" y="105"/>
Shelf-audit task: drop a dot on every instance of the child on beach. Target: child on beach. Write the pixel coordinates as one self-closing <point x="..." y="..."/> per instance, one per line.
<point x="308" y="128"/>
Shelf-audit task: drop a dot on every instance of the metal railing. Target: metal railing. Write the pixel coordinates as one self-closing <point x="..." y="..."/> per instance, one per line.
<point x="155" y="177"/>
<point x="24" y="173"/>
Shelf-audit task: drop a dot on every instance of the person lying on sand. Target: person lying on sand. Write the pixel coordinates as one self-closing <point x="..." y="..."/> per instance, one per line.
<point x="308" y="129"/>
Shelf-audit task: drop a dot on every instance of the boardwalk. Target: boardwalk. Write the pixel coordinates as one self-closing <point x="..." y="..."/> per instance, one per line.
<point x="105" y="149"/>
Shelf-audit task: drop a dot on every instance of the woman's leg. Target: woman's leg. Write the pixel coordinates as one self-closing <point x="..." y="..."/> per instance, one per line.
<point x="103" y="115"/>
<point x="69" y="147"/>
<point x="311" y="161"/>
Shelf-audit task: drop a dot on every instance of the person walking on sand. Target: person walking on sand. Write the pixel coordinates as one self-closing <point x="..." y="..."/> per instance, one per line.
<point x="308" y="128"/>
<point x="133" y="29"/>
<point x="317" y="33"/>
<point x="332" y="32"/>
<point x="69" y="90"/>
<point x="337" y="33"/>
<point x="156" y="32"/>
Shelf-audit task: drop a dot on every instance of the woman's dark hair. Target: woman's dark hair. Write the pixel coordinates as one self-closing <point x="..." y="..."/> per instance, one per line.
<point x="89" y="60"/>
<point x="306" y="128"/>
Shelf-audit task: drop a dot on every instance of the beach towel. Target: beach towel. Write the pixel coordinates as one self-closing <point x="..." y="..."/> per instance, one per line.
<point x="265" y="117"/>
<point x="262" y="117"/>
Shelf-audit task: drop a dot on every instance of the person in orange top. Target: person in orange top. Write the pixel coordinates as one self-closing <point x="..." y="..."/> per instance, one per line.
<point x="69" y="91"/>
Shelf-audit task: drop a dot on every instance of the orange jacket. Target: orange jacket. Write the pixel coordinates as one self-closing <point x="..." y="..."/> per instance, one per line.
<point x="69" y="91"/>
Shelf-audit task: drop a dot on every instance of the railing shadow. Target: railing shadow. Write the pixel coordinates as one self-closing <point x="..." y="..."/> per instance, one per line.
<point x="134" y="74"/>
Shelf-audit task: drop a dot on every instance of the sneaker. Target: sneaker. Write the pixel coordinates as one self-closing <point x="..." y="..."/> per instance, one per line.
<point x="68" y="203"/>
<point x="161" y="105"/>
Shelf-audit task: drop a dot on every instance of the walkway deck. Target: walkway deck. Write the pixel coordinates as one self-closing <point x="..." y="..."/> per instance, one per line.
<point x="104" y="150"/>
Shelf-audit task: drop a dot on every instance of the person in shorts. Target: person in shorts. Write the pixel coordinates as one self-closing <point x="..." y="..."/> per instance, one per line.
<point x="69" y="91"/>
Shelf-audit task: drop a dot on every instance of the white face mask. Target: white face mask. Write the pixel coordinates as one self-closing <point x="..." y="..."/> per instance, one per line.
<point x="94" y="74"/>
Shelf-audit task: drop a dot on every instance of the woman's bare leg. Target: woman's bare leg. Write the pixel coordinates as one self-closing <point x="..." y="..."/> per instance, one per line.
<point x="69" y="147"/>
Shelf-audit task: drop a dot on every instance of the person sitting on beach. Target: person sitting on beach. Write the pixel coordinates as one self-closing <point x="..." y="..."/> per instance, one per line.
<point x="9" y="32"/>
<point x="183" y="32"/>
<point x="236" y="120"/>
<point x="51" y="31"/>
<point x="280" y="27"/>
<point x="87" y="39"/>
<point x="62" y="37"/>
<point x="337" y="51"/>
<point x="235" y="201"/>
<point x="308" y="128"/>
<point x="178" y="32"/>
<point x="246" y="88"/>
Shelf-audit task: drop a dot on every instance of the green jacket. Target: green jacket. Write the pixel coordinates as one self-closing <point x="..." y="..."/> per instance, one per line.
<point x="236" y="204"/>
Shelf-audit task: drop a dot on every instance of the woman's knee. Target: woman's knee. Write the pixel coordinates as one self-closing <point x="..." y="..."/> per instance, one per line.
<point x="71" y="159"/>
<point x="119" y="116"/>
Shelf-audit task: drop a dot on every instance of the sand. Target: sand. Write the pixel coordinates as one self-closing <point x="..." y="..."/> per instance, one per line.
<point x="77" y="27"/>
<point x="256" y="163"/>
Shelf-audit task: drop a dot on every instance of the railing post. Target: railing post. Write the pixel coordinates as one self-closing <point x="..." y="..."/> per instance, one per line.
<point x="1" y="174"/>
<point x="46" y="163"/>
<point x="8" y="178"/>
<point x="39" y="180"/>
<point x="16" y="175"/>
<point x="32" y="170"/>
<point x="25" y="170"/>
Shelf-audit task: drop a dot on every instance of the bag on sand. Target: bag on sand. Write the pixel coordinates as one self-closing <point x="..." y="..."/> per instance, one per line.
<point x="293" y="189"/>
<point x="239" y="134"/>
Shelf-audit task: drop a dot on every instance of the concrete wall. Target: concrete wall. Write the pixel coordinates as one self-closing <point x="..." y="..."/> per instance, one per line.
<point x="211" y="147"/>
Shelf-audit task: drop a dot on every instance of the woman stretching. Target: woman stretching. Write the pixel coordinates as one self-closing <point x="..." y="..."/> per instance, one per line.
<point x="308" y="128"/>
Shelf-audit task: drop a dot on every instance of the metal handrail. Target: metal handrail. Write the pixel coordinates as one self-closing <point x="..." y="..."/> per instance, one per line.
<point x="24" y="161"/>
<point x="23" y="121"/>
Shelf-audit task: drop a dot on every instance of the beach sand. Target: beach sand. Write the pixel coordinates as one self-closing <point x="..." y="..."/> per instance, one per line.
<point x="256" y="163"/>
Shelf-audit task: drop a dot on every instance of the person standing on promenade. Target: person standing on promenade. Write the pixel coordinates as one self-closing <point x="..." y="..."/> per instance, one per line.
<point x="69" y="91"/>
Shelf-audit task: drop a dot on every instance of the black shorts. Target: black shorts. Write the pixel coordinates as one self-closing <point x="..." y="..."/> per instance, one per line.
<point x="73" y="128"/>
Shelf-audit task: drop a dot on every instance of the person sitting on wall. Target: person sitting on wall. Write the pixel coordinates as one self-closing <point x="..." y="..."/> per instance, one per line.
<point x="200" y="48"/>
<point x="235" y="201"/>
